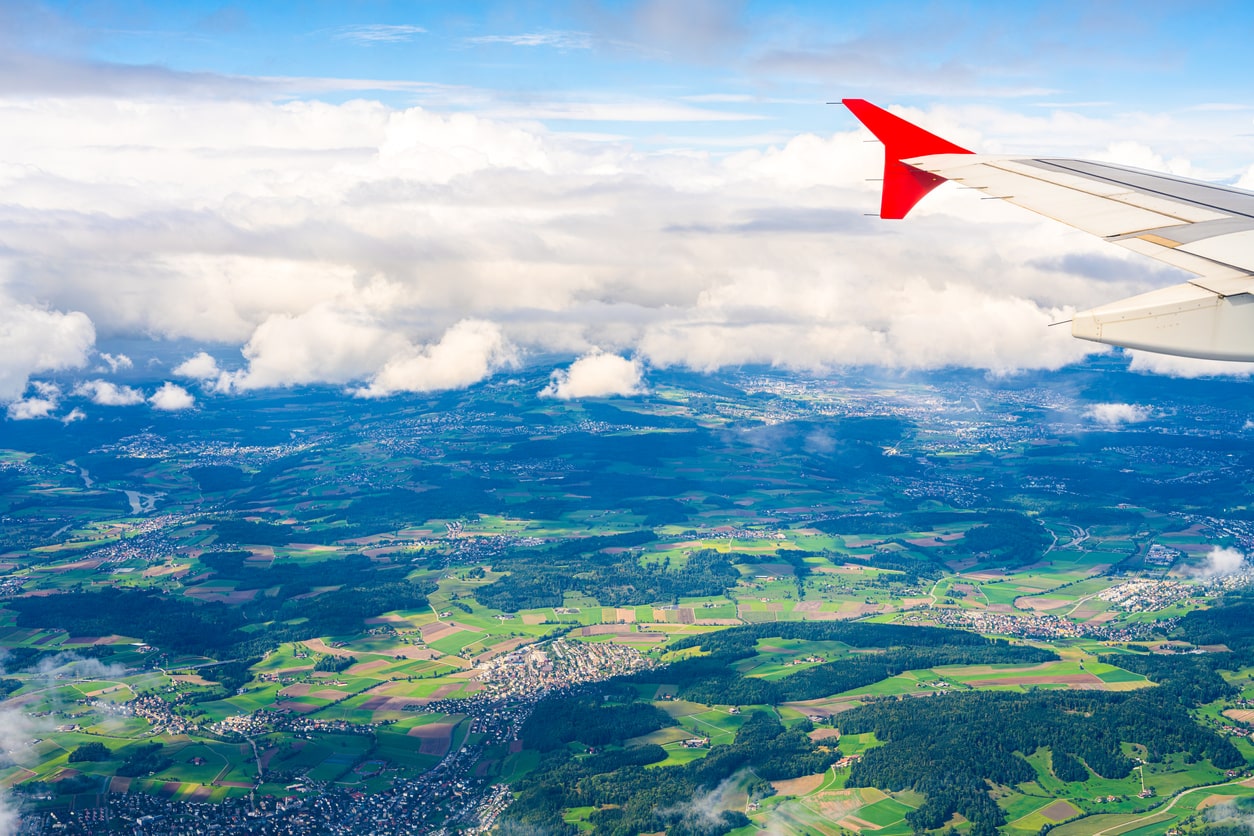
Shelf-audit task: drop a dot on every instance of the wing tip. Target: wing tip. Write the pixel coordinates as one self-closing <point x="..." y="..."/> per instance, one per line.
<point x="904" y="185"/>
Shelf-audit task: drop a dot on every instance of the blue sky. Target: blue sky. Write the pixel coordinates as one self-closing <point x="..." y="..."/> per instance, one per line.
<point x="768" y="62"/>
<point x="396" y="198"/>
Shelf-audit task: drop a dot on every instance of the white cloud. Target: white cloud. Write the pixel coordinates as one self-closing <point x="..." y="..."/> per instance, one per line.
<point x="324" y="344"/>
<point x="466" y="354"/>
<point x="73" y="415"/>
<point x="368" y="34"/>
<point x="1220" y="562"/>
<point x="104" y="393"/>
<point x="171" y="398"/>
<point x="200" y="366"/>
<point x="17" y="733"/>
<point x="10" y="815"/>
<point x="1116" y="414"/>
<point x="41" y="403"/>
<point x="34" y="339"/>
<point x="596" y="376"/>
<point x="29" y="408"/>
<point x="116" y="361"/>
<point x="557" y="39"/>
<point x="1144" y="361"/>
<point x="336" y="243"/>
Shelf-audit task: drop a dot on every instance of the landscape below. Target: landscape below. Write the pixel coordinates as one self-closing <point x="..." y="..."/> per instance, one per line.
<point x="937" y="602"/>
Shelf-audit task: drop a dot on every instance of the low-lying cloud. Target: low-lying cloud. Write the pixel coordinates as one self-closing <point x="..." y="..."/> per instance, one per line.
<point x="171" y="397"/>
<point x="1220" y="563"/>
<point x="36" y="339"/>
<point x="105" y="393"/>
<point x="1118" y="414"/>
<point x="596" y="376"/>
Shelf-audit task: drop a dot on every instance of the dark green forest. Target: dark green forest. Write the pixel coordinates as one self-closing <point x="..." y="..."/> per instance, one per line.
<point x="948" y="747"/>
<point x="710" y="679"/>
<point x="181" y="625"/>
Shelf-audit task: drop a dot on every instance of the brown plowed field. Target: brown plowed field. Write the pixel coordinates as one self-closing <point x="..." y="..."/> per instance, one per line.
<point x="436" y="738"/>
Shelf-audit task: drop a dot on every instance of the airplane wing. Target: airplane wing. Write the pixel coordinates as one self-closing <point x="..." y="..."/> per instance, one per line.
<point x="1203" y="228"/>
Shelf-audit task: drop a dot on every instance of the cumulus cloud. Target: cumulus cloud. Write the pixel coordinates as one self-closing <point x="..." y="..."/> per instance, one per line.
<point x="171" y="398"/>
<point x="344" y="243"/>
<point x="466" y="354"/>
<point x="34" y="339"/>
<point x="43" y="400"/>
<point x="596" y="376"/>
<point x="27" y="409"/>
<point x="104" y="393"/>
<point x="200" y="366"/>
<point x="1220" y="562"/>
<point x="326" y="343"/>
<point x="116" y="361"/>
<point x="1117" y="414"/>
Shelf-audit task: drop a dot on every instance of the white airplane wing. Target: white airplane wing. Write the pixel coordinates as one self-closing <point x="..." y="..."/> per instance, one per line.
<point x="1203" y="228"/>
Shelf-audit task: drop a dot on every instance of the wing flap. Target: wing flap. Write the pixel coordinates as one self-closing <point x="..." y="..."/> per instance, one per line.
<point x="1161" y="249"/>
<point x="1228" y="249"/>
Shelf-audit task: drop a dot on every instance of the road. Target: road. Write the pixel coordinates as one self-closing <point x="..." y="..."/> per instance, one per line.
<point x="1133" y="824"/>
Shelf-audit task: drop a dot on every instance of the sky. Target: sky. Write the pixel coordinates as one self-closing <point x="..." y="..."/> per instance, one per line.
<point x="199" y="201"/>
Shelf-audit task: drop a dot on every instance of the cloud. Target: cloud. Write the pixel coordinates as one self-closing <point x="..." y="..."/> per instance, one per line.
<point x="557" y="40"/>
<point x="69" y="665"/>
<point x="171" y="398"/>
<point x="34" y="339"/>
<point x="369" y="34"/>
<point x="1117" y="414"/>
<point x="342" y="243"/>
<point x="116" y="361"/>
<point x="200" y="366"/>
<point x="1220" y="563"/>
<point x="10" y="813"/>
<point x="30" y="408"/>
<point x="40" y="404"/>
<point x="706" y="811"/>
<point x="104" y="393"/>
<point x="466" y="353"/>
<point x="1166" y="364"/>
<point x="597" y="376"/>
<point x="325" y="344"/>
<point x="73" y="415"/>
<point x="17" y="732"/>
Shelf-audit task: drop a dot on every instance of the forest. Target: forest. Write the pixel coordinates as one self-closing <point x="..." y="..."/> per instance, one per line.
<point x="636" y="800"/>
<point x="948" y="747"/>
<point x="540" y="577"/>
<point x="181" y="625"/>
<point x="710" y="678"/>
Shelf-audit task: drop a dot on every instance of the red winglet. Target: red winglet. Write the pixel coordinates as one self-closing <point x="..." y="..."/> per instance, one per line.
<point x="904" y="185"/>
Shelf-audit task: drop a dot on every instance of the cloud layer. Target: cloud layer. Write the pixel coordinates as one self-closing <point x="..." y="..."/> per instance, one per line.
<point x="391" y="250"/>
